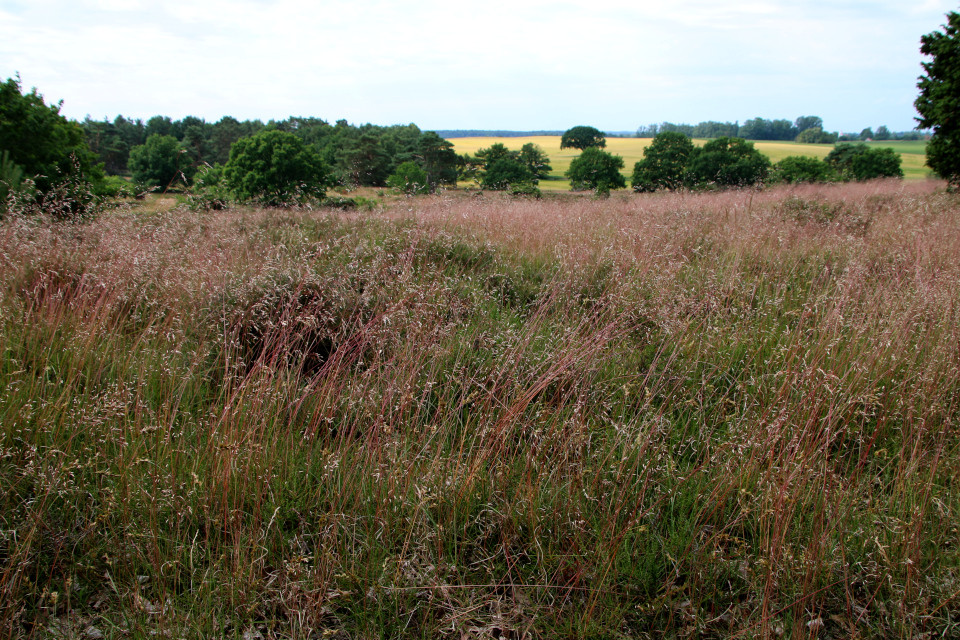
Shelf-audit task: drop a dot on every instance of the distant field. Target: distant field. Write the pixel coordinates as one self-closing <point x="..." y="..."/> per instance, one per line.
<point x="631" y="150"/>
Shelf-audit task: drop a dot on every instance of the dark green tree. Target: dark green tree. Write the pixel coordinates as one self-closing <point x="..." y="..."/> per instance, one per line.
<point x="795" y="169"/>
<point x="496" y="151"/>
<point x="816" y="135"/>
<point x="161" y="162"/>
<point x="726" y="162"/>
<point x="536" y="160"/>
<point x="583" y="137"/>
<point x="663" y="163"/>
<point x="939" y="99"/>
<point x="505" y="172"/>
<point x="438" y="158"/>
<point x="808" y="122"/>
<point x="596" y="169"/>
<point x="882" y="133"/>
<point x="275" y="168"/>
<point x="367" y="162"/>
<point x="866" y="134"/>
<point x="42" y="143"/>
<point x="860" y="162"/>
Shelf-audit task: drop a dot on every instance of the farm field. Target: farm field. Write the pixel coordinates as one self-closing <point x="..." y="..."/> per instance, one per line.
<point x="715" y="415"/>
<point x="631" y="150"/>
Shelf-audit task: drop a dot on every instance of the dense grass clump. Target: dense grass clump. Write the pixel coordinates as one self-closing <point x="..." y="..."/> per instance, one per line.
<point x="718" y="415"/>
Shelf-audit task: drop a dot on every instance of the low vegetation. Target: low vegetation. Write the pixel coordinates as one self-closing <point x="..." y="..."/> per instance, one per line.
<point x="727" y="414"/>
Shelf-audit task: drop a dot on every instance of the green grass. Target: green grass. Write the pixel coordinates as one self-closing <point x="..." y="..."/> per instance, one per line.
<point x="658" y="415"/>
<point x="913" y="153"/>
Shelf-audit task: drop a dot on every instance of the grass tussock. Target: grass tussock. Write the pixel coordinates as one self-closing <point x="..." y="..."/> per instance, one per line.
<point x="705" y="416"/>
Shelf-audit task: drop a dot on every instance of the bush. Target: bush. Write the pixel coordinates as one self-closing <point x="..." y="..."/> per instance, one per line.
<point x="526" y="190"/>
<point x="663" y="163"/>
<point x="210" y="191"/>
<point x="505" y="172"/>
<point x="816" y="135"/>
<point x="860" y="162"/>
<point x="597" y="170"/>
<point x="726" y="162"/>
<point x="160" y="162"/>
<point x="410" y="178"/>
<point x="795" y="169"/>
<point x="12" y="182"/>
<point x="275" y="168"/>
<point x="113" y="187"/>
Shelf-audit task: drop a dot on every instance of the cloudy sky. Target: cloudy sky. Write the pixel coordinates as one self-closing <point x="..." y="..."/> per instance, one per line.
<point x="495" y="64"/>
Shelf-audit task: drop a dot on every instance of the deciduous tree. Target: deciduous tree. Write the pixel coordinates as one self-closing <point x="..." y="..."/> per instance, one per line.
<point x="583" y="137"/>
<point x="939" y="99"/>
<point x="596" y="169"/>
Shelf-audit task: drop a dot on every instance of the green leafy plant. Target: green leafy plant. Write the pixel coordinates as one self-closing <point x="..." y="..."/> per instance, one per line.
<point x="410" y="178"/>
<point x="664" y="161"/>
<point x="275" y="168"/>
<point x="595" y="169"/>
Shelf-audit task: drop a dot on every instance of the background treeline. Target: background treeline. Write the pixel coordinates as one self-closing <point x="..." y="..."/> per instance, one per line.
<point x="803" y="129"/>
<point x="492" y="133"/>
<point x="365" y="155"/>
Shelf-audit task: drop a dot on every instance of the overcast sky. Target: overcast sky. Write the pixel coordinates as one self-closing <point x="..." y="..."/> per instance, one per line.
<point x="494" y="64"/>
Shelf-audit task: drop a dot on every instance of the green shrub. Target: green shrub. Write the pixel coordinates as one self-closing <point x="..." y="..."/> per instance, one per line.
<point x="160" y="162"/>
<point x="504" y="172"/>
<point x="409" y="178"/>
<point x="525" y="190"/>
<point x="663" y="163"/>
<point x="210" y="191"/>
<point x="275" y="168"/>
<point x="726" y="162"/>
<point x="796" y="169"/>
<point x="595" y="169"/>
<point x="860" y="162"/>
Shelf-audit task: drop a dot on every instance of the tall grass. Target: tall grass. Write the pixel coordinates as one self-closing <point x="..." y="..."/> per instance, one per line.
<point x="719" y="415"/>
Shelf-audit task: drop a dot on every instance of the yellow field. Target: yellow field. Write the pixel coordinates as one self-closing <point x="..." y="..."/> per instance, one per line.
<point x="631" y="150"/>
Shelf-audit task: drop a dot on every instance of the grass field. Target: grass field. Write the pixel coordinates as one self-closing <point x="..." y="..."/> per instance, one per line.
<point x="720" y="415"/>
<point x="631" y="150"/>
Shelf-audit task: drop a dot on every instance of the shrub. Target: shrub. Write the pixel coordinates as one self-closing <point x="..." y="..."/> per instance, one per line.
<point x="795" y="169"/>
<point x="410" y="178"/>
<point x="160" y="162"/>
<point x="726" y="162"/>
<point x="595" y="169"/>
<point x="275" y="168"/>
<point x="860" y="162"/>
<point x="663" y="163"/>
<point x="210" y="191"/>
<point x="505" y="172"/>
<point x="526" y="190"/>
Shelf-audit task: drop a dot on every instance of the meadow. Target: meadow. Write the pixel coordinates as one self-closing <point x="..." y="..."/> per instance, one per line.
<point x="716" y="415"/>
<point x="913" y="153"/>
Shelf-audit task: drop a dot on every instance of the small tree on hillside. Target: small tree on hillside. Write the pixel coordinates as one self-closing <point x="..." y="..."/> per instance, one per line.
<point x="596" y="169"/>
<point x="583" y="137"/>
<point x="663" y="163"/>
<point x="275" y="168"/>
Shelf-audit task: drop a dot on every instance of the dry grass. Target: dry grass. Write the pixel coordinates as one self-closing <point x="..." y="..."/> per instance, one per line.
<point x="715" y="415"/>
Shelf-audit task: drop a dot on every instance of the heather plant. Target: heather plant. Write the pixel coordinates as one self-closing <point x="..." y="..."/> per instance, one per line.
<point x="716" y="414"/>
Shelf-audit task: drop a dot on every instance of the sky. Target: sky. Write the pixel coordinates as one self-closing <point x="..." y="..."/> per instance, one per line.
<point x="496" y="64"/>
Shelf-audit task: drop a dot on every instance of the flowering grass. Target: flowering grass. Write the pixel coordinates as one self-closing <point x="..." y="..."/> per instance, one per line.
<point x="713" y="415"/>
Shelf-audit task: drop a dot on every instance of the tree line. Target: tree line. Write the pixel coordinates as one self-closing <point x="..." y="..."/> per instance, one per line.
<point x="808" y="129"/>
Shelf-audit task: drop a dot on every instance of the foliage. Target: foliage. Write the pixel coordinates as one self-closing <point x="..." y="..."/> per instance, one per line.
<point x="410" y="178"/>
<point x="596" y="169"/>
<point x="795" y="169"/>
<point x="46" y="146"/>
<point x="664" y="161"/>
<point x="526" y="190"/>
<point x="536" y="160"/>
<point x="866" y="134"/>
<point x="438" y="158"/>
<point x="504" y="172"/>
<point x="761" y="129"/>
<point x="882" y="133"/>
<point x="583" y="137"/>
<point x="275" y="168"/>
<point x="808" y="122"/>
<point x="161" y="162"/>
<point x="816" y="135"/>
<point x="939" y="99"/>
<point x="726" y="162"/>
<point x="210" y="191"/>
<point x="860" y="162"/>
<point x="13" y="184"/>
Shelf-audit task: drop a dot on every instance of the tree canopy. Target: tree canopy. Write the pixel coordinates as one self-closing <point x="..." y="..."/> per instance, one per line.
<point x="860" y="162"/>
<point x="726" y="162"/>
<point x="596" y="169"/>
<point x="275" y="168"/>
<point x="160" y="162"/>
<point x="939" y="99"/>
<point x="663" y="163"/>
<point x="583" y="137"/>
<point x="40" y="141"/>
